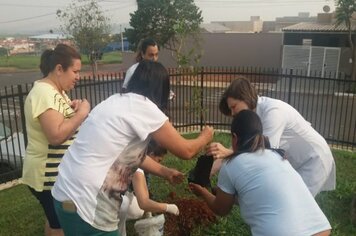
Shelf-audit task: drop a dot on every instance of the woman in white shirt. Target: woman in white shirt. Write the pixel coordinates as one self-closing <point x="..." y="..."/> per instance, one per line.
<point x="98" y="167"/>
<point x="306" y="149"/>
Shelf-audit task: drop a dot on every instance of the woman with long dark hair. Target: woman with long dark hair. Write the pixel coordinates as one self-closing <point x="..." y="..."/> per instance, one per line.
<point x="98" y="167"/>
<point x="147" y="50"/>
<point x="272" y="196"/>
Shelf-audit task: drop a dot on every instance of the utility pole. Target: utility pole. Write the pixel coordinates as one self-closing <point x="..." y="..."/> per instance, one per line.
<point x="122" y="39"/>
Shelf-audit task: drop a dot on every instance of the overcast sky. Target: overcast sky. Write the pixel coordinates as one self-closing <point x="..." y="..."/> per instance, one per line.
<point x="23" y="16"/>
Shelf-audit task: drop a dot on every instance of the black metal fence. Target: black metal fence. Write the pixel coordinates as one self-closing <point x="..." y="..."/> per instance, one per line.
<point x="328" y="103"/>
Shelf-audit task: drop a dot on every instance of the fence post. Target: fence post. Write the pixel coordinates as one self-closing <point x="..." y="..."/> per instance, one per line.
<point x="202" y="120"/>
<point x="290" y="85"/>
<point x="22" y="109"/>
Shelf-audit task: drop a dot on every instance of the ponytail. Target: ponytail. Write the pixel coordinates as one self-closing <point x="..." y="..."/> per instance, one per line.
<point x="46" y="62"/>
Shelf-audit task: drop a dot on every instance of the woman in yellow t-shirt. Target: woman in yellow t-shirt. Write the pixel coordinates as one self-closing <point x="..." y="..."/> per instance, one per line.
<point x="52" y="120"/>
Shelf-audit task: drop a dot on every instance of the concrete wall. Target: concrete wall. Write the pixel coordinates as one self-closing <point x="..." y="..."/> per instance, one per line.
<point x="231" y="49"/>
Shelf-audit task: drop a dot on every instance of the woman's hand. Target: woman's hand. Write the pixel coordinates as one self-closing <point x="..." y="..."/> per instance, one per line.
<point x="172" y="209"/>
<point x="174" y="176"/>
<point x="81" y="105"/>
<point x="218" y="151"/>
<point x="220" y="204"/>
<point x="75" y="104"/>
<point x="57" y="129"/>
<point x="197" y="189"/>
<point x="207" y="133"/>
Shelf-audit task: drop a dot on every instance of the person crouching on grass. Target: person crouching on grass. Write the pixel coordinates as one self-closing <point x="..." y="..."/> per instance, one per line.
<point x="138" y="199"/>
<point x="272" y="196"/>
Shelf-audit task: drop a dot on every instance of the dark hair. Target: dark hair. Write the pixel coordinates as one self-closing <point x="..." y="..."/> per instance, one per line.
<point x="155" y="149"/>
<point x="151" y="80"/>
<point x="62" y="55"/>
<point x="240" y="89"/>
<point x="247" y="126"/>
<point x="142" y="47"/>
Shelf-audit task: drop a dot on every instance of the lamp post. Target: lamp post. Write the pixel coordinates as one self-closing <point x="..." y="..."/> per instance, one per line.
<point x="122" y="39"/>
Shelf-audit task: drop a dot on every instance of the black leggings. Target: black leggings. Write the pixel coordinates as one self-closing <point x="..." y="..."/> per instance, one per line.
<point x="46" y="200"/>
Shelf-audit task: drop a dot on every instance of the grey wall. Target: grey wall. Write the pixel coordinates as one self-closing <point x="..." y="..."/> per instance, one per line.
<point x="230" y="49"/>
<point x="345" y="65"/>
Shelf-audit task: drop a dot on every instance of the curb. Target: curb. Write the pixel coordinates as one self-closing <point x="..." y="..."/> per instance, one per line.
<point x="9" y="184"/>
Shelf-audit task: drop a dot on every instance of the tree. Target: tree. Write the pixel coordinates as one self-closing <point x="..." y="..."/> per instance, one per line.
<point x="3" y="51"/>
<point x="86" y="23"/>
<point x="344" y="11"/>
<point x="158" y="19"/>
<point x="175" y="25"/>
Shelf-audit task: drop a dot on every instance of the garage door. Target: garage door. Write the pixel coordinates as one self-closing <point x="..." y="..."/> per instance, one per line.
<point x="310" y="61"/>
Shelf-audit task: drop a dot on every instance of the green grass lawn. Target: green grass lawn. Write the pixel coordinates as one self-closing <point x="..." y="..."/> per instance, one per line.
<point x="21" y="213"/>
<point x="22" y="62"/>
<point x="31" y="62"/>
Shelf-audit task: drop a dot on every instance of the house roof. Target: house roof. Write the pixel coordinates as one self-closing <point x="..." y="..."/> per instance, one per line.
<point x="319" y="27"/>
<point x="214" y="28"/>
<point x="291" y="19"/>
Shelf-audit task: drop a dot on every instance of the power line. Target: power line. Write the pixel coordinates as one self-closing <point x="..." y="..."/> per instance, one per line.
<point x="28" y="18"/>
<point x="48" y="14"/>
<point x="31" y="6"/>
<point x="121" y="7"/>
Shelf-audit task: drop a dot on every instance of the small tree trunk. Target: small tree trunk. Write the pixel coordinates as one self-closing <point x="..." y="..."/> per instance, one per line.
<point x="94" y="67"/>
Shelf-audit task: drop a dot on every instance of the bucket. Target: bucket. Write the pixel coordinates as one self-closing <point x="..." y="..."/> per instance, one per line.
<point x="152" y="226"/>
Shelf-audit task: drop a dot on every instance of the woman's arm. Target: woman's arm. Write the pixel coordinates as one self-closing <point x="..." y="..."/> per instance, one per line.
<point x="220" y="204"/>
<point x="143" y="199"/>
<point x="168" y="137"/>
<point x="57" y="129"/>
<point x="155" y="168"/>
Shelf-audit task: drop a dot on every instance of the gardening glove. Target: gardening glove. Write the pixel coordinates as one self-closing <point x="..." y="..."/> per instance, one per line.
<point x="173" y="209"/>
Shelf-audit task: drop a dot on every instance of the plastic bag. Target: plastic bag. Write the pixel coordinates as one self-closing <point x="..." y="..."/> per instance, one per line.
<point x="151" y="226"/>
<point x="200" y="174"/>
<point x="134" y="211"/>
<point x="129" y="210"/>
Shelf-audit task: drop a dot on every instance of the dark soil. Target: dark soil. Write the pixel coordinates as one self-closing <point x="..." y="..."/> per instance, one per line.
<point x="192" y="213"/>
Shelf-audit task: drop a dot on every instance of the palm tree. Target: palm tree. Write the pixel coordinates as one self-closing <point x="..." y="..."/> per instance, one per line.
<point x="344" y="11"/>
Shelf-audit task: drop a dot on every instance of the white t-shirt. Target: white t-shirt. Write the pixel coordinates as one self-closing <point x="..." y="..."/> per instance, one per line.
<point x="128" y="77"/>
<point x="129" y="74"/>
<point x="306" y="149"/>
<point x="98" y="167"/>
<point x="272" y="196"/>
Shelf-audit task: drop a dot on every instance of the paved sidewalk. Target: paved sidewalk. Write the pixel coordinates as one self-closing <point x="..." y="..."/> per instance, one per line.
<point x="9" y="184"/>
